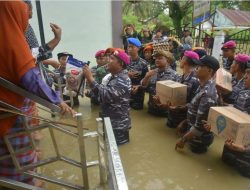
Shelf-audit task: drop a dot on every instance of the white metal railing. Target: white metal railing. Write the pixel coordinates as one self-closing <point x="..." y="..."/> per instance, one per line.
<point x="112" y="168"/>
<point x="109" y="162"/>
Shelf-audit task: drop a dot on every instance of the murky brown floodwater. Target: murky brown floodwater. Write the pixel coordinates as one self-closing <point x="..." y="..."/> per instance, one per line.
<point x="149" y="160"/>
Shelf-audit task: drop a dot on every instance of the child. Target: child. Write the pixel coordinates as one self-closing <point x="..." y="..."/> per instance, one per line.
<point x="60" y="69"/>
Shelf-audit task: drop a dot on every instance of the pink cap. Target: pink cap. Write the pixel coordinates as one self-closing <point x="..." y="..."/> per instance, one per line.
<point x="100" y="53"/>
<point x="242" y="58"/>
<point x="229" y="45"/>
<point x="74" y="72"/>
<point x="191" y="55"/>
<point x="122" y="56"/>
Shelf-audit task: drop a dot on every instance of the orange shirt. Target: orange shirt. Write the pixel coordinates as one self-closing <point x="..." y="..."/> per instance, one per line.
<point x="15" y="56"/>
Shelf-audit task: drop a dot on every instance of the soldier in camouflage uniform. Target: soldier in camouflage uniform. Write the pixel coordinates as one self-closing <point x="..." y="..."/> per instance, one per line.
<point x="233" y="154"/>
<point x="115" y="95"/>
<point x="136" y="71"/>
<point x="228" y="52"/>
<point x="237" y="69"/>
<point x="179" y="113"/>
<point x="163" y="71"/>
<point x="206" y="96"/>
<point x="99" y="72"/>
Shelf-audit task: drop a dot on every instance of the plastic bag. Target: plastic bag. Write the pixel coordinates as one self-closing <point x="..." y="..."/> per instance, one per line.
<point x="73" y="76"/>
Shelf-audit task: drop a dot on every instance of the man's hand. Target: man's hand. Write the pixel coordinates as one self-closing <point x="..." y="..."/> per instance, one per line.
<point x="135" y="89"/>
<point x="133" y="74"/>
<point x="180" y="144"/>
<point x="65" y="109"/>
<point x="232" y="146"/>
<point x="87" y="73"/>
<point x="57" y="31"/>
<point x="180" y="128"/>
<point x="57" y="36"/>
<point x="177" y="108"/>
<point x="150" y="73"/>
<point x="157" y="102"/>
<point x="206" y="125"/>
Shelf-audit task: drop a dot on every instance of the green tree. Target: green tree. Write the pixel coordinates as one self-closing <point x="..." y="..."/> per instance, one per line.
<point x="145" y="11"/>
<point x="132" y="19"/>
<point x="241" y="5"/>
<point x="177" y="11"/>
<point x="244" y="5"/>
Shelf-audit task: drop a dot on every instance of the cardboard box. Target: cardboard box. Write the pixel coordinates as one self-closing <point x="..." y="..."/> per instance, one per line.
<point x="171" y="91"/>
<point x="229" y="122"/>
<point x="224" y="79"/>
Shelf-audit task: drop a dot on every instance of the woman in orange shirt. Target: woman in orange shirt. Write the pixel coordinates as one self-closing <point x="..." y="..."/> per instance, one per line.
<point x="18" y="66"/>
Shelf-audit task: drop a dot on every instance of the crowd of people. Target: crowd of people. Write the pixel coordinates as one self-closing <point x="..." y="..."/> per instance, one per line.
<point x="198" y="72"/>
<point x="119" y="83"/>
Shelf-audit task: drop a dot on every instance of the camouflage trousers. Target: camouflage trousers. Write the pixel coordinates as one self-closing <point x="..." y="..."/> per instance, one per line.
<point x="156" y="110"/>
<point x="137" y="100"/>
<point x="121" y="136"/>
<point x="199" y="144"/>
<point x="239" y="160"/>
<point x="175" y="117"/>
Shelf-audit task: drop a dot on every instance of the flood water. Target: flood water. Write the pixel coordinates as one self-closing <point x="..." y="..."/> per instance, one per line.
<point x="149" y="160"/>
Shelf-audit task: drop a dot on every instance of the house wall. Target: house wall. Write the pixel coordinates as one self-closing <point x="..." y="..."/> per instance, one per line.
<point x="221" y="20"/>
<point x="86" y="26"/>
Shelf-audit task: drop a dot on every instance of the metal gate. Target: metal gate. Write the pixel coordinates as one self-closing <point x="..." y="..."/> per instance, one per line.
<point x="242" y="39"/>
<point x="109" y="163"/>
<point x="200" y="38"/>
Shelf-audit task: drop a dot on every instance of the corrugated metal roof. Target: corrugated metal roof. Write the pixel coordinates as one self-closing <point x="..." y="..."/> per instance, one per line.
<point x="239" y="18"/>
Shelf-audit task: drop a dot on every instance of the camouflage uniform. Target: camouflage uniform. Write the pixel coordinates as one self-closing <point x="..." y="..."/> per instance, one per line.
<point x="167" y="74"/>
<point x="140" y="66"/>
<point x="101" y="72"/>
<point x="234" y="158"/>
<point x="227" y="63"/>
<point x="174" y="65"/>
<point x="242" y="101"/>
<point x="237" y="87"/>
<point x="151" y="63"/>
<point x="114" y="98"/>
<point x="178" y="115"/>
<point x="198" y="109"/>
